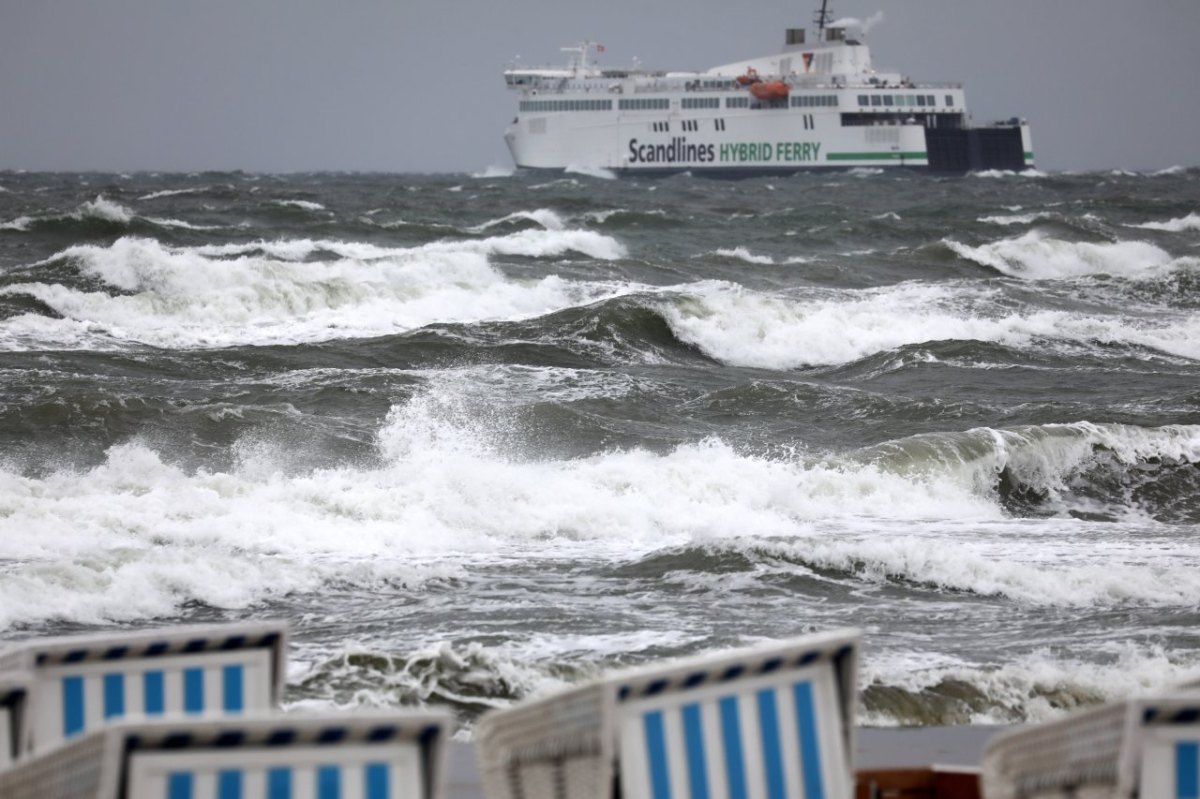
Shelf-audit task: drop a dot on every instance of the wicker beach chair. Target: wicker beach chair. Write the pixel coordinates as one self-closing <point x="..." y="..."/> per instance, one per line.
<point x="259" y="756"/>
<point x="1146" y="748"/>
<point x="14" y="690"/>
<point x="79" y="683"/>
<point x="770" y="721"/>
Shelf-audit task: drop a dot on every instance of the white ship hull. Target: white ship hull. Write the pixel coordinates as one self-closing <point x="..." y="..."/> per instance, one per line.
<point x="779" y="141"/>
<point x="817" y="107"/>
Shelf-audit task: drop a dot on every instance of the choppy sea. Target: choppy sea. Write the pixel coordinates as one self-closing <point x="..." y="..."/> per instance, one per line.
<point x="481" y="436"/>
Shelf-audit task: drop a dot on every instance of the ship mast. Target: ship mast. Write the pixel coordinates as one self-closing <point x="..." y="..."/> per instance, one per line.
<point x="822" y="19"/>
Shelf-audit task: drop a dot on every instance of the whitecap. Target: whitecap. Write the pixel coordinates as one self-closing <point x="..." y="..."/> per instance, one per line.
<point x="1036" y="256"/>
<point x="590" y="171"/>
<point x="171" y="193"/>
<point x="740" y="327"/>
<point x="305" y="205"/>
<point x="495" y="172"/>
<point x="271" y="292"/>
<point x="742" y="254"/>
<point x="1178" y="225"/>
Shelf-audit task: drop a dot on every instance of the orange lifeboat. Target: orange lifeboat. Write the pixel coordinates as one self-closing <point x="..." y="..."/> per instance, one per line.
<point x="770" y="90"/>
<point x="749" y="78"/>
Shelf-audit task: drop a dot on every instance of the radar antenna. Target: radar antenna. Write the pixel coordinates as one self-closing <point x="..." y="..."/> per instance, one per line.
<point x="822" y="19"/>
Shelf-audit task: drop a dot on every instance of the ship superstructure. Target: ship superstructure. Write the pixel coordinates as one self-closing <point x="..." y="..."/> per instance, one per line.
<point x="815" y="104"/>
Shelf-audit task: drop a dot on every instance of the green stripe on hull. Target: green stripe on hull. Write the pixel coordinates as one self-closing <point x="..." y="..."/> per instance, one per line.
<point x="875" y="156"/>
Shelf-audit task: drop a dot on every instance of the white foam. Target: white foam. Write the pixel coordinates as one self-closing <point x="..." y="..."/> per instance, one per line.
<point x="459" y="481"/>
<point x="746" y="328"/>
<point x="1013" y="219"/>
<point x="1179" y="225"/>
<point x="171" y="193"/>
<point x="107" y="210"/>
<point x="1008" y="173"/>
<point x="560" y="182"/>
<point x="32" y="332"/>
<point x="742" y="254"/>
<point x="21" y="223"/>
<point x="1171" y="170"/>
<point x="305" y="205"/>
<point x="495" y="172"/>
<point x="1023" y="688"/>
<point x="99" y="208"/>
<point x="179" y="223"/>
<point x="864" y="171"/>
<point x="261" y="293"/>
<point x="542" y="216"/>
<point x="1036" y="256"/>
<point x="590" y="171"/>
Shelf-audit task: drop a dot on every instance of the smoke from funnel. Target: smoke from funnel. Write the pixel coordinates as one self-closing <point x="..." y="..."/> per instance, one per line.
<point x="854" y="22"/>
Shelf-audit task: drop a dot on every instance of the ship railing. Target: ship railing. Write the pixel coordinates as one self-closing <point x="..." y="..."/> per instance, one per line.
<point x="696" y="86"/>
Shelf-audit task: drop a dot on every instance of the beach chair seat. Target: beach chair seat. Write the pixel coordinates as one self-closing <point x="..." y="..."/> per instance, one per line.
<point x="1147" y="748"/>
<point x="79" y="683"/>
<point x="770" y="721"/>
<point x="372" y="755"/>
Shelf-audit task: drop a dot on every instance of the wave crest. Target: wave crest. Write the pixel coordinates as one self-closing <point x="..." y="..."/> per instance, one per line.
<point x="1035" y="256"/>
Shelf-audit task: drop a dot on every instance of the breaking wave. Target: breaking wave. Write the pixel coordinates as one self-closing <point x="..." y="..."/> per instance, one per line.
<point x="1035" y="256"/>
<point x="1180" y="225"/>
<point x="275" y="292"/>
<point x="746" y="328"/>
<point x="896" y="688"/>
<point x="97" y="210"/>
<point x="908" y="690"/>
<point x="458" y="478"/>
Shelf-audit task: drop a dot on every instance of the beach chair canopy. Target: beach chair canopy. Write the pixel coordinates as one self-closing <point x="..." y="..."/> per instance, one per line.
<point x="371" y="755"/>
<point x="1147" y="748"/>
<point x="78" y="683"/>
<point x="774" y="720"/>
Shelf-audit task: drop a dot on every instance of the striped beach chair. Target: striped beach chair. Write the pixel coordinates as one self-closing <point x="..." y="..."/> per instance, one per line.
<point x="768" y="722"/>
<point x="1145" y="748"/>
<point x="377" y="755"/>
<point x="14" y="689"/>
<point x="79" y="683"/>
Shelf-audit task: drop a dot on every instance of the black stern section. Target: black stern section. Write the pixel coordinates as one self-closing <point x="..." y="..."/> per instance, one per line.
<point x="974" y="149"/>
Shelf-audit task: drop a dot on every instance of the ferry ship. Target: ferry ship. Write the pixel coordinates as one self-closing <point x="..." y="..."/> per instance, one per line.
<point x="814" y="105"/>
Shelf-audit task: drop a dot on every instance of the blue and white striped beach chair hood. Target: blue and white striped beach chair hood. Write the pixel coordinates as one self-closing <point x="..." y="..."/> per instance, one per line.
<point x="1147" y="748"/>
<point x="344" y="755"/>
<point x="769" y="721"/>
<point x="79" y="683"/>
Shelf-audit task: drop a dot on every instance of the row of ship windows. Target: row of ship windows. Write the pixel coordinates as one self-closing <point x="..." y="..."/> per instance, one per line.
<point x="664" y="104"/>
<point x="910" y="100"/>
<point x="540" y="106"/>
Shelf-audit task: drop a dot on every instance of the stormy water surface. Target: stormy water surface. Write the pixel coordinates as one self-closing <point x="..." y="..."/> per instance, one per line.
<point x="479" y="436"/>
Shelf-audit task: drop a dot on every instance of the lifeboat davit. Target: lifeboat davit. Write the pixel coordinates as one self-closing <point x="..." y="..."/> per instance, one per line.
<point x="751" y="77"/>
<point x="770" y="90"/>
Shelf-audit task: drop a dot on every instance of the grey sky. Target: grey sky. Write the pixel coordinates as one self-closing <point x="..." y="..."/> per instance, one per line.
<point x="415" y="85"/>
